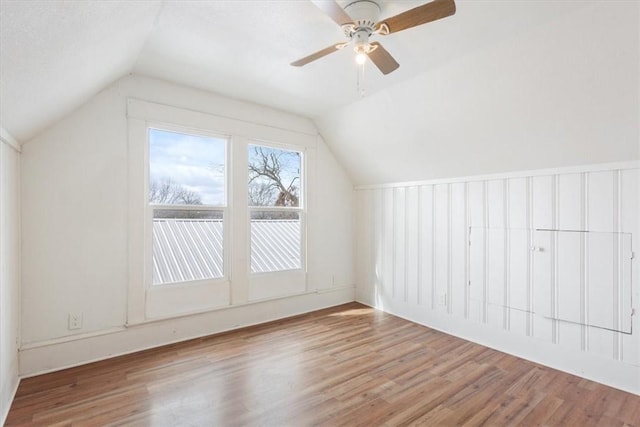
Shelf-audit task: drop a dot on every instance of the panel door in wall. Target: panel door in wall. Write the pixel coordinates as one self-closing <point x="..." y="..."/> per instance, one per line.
<point x="583" y="277"/>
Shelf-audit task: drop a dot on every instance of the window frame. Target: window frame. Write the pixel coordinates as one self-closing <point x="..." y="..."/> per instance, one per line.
<point x="223" y="208"/>
<point x="301" y="209"/>
<point x="240" y="128"/>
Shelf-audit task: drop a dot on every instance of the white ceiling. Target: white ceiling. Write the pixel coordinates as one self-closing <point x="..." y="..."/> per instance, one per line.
<point x="562" y="88"/>
<point x="244" y="48"/>
<point x="55" y="55"/>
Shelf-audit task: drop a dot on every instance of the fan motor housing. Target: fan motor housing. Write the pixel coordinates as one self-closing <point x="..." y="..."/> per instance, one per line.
<point x="365" y="13"/>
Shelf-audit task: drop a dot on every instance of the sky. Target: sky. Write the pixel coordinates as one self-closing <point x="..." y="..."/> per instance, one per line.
<point x="197" y="163"/>
<point x="193" y="161"/>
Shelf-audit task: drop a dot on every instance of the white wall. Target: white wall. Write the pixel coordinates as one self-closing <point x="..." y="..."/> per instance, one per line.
<point x="414" y="259"/>
<point x="563" y="93"/>
<point x="9" y="269"/>
<point x="75" y="231"/>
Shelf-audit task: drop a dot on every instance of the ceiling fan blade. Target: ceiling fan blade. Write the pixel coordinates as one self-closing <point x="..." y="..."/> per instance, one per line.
<point x="333" y="9"/>
<point x="429" y="12"/>
<point x="383" y="59"/>
<point x="317" y="55"/>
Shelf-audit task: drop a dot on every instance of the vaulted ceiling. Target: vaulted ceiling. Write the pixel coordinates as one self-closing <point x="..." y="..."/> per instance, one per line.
<point x="55" y="55"/>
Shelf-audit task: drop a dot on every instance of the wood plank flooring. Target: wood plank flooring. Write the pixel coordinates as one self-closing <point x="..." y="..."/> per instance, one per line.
<point x="344" y="366"/>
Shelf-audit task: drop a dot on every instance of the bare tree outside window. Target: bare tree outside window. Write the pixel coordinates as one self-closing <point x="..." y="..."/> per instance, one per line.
<point x="167" y="192"/>
<point x="274" y="177"/>
<point x="260" y="194"/>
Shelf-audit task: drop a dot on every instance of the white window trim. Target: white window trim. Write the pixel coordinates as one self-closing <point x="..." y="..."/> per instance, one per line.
<point x="272" y="284"/>
<point x="172" y="300"/>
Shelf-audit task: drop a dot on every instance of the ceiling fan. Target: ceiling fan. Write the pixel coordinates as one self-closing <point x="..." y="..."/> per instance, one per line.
<point x="365" y="24"/>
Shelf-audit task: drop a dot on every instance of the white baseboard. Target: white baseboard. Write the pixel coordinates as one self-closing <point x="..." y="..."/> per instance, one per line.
<point x="612" y="373"/>
<point x="52" y="356"/>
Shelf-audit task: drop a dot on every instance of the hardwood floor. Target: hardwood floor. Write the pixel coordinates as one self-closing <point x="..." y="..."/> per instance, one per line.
<point x="344" y="366"/>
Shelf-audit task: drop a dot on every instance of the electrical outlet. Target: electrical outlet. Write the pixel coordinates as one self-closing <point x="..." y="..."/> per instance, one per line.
<point x="75" y="321"/>
<point x="442" y="299"/>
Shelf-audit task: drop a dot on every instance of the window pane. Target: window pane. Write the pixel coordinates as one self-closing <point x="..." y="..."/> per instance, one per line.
<point x="186" y="169"/>
<point x="275" y="241"/>
<point x="187" y="245"/>
<point x="274" y="176"/>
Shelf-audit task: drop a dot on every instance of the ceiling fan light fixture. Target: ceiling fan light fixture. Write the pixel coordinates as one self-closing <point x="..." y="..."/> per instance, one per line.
<point x="363" y="49"/>
<point x="361" y="58"/>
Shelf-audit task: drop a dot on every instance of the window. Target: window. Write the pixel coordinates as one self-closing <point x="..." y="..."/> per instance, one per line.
<point x="216" y="218"/>
<point x="275" y="200"/>
<point x="187" y="197"/>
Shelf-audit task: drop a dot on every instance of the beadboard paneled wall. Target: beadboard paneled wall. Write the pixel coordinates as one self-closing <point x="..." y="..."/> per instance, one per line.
<point x="538" y="264"/>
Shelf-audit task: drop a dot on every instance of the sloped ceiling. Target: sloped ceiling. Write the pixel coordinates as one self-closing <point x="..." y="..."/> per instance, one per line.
<point x="460" y="80"/>
<point x="563" y="93"/>
<point x="55" y="55"/>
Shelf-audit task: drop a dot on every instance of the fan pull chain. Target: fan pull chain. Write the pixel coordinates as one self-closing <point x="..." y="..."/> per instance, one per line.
<point x="360" y="81"/>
